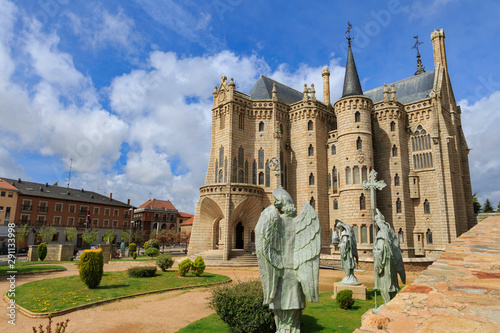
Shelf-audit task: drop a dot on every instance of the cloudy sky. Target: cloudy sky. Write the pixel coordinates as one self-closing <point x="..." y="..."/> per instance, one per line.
<point x="123" y="89"/>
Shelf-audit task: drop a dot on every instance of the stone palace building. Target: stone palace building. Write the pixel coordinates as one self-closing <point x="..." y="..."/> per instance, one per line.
<point x="409" y="131"/>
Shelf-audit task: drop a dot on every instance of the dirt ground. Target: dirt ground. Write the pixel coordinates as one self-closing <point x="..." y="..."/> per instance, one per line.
<point x="167" y="312"/>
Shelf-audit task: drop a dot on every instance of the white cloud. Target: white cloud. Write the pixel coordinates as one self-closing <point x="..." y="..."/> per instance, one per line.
<point x="426" y="9"/>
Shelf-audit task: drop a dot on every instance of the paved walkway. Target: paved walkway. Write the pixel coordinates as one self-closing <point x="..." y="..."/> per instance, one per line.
<point x="460" y="292"/>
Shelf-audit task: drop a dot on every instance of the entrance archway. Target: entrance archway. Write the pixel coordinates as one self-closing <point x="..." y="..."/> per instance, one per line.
<point x="239" y="235"/>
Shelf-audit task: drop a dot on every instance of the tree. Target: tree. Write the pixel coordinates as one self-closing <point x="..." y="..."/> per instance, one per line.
<point x="184" y="238"/>
<point x="139" y="237"/>
<point x="109" y="236"/>
<point x="71" y="234"/>
<point x="477" y="205"/>
<point x="498" y="207"/>
<point x="21" y="235"/>
<point x="165" y="238"/>
<point x="487" y="208"/>
<point x="125" y="236"/>
<point x="90" y="235"/>
<point x="47" y="233"/>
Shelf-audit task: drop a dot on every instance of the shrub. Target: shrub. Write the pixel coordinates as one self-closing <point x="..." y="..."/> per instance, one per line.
<point x="132" y="248"/>
<point x="152" y="243"/>
<point x="71" y="258"/>
<point x="60" y="327"/>
<point x="344" y="299"/>
<point x="152" y="251"/>
<point x="41" y="251"/>
<point x="198" y="267"/>
<point x="91" y="267"/>
<point x="144" y="271"/>
<point x="134" y="255"/>
<point x="185" y="266"/>
<point x="240" y="306"/>
<point x="164" y="261"/>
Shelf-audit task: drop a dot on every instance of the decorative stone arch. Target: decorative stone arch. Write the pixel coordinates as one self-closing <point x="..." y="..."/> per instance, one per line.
<point x="247" y="212"/>
<point x="207" y="212"/>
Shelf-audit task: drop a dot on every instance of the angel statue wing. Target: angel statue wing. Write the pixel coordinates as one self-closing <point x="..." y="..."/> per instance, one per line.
<point x="269" y="247"/>
<point x="352" y="240"/>
<point x="306" y="251"/>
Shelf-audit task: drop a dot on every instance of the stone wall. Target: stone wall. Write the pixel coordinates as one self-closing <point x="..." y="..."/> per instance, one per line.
<point x="55" y="252"/>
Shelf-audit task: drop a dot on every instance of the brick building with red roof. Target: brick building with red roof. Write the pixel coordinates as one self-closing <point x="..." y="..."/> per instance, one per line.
<point x="156" y="215"/>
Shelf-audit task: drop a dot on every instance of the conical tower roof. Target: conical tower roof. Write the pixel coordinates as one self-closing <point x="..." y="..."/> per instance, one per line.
<point x="352" y="86"/>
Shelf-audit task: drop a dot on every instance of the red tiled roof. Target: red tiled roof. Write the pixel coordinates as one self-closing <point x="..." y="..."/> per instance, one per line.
<point x="158" y="204"/>
<point x="188" y="222"/>
<point x="185" y="214"/>
<point x="6" y="186"/>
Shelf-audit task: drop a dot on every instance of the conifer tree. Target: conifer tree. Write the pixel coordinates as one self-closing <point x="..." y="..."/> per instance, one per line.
<point x="488" y="208"/>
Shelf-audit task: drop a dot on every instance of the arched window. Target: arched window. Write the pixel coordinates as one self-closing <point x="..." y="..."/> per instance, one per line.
<point x="364" y="174"/>
<point x="334" y="150"/>
<point x="357" y="117"/>
<point x="234" y="175"/>
<point x="311" y="179"/>
<point x="221" y="155"/>
<point x="312" y="202"/>
<point x="220" y="176"/>
<point x="261" y="178"/>
<point x="225" y="171"/>
<point x="310" y="125"/>
<point x="427" y="207"/>
<point x="241" y="157"/>
<point x="362" y="202"/>
<point x="396" y="180"/>
<point x="281" y="129"/>
<point x="398" y="206"/>
<point x="241" y="121"/>
<point x="310" y="150"/>
<point x="335" y="204"/>
<point x="216" y="169"/>
<point x="359" y="144"/>
<point x="246" y="172"/>
<point x="222" y="120"/>
<point x="329" y="181"/>
<point x="261" y="126"/>
<point x="356" y="233"/>
<point x="355" y="175"/>
<point x="364" y="234"/>
<point x="334" y="179"/>
<point x="393" y="126"/>
<point x="348" y="176"/>
<point x="261" y="158"/>
<point x="400" y="236"/>
<point x="394" y="151"/>
<point x="241" y="176"/>
<point x="429" y="236"/>
<point x="254" y="172"/>
<point x="268" y="174"/>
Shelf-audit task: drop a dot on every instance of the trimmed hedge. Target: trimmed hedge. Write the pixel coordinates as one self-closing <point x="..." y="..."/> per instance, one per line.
<point x="134" y="255"/>
<point x="344" y="299"/>
<point x="132" y="248"/>
<point x="152" y="251"/>
<point x="91" y="267"/>
<point x="164" y="261"/>
<point x="152" y="243"/>
<point x="41" y="251"/>
<point x="144" y="271"/>
<point x="185" y="266"/>
<point x="240" y="306"/>
<point x="198" y="266"/>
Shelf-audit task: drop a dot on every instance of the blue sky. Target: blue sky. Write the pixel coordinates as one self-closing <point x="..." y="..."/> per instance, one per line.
<point x="123" y="88"/>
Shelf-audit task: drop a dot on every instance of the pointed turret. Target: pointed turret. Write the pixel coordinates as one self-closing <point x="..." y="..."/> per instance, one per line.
<point x="352" y="86"/>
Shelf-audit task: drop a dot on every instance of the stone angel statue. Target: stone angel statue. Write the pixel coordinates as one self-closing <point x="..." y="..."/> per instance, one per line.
<point x="348" y="252"/>
<point x="288" y="248"/>
<point x="388" y="260"/>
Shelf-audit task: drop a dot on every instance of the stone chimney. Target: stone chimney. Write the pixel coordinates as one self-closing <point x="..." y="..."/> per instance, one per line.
<point x="326" y="85"/>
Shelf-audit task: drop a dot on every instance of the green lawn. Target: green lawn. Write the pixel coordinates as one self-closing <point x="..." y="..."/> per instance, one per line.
<point x="61" y="293"/>
<point x="30" y="269"/>
<point x="30" y="263"/>
<point x="324" y="317"/>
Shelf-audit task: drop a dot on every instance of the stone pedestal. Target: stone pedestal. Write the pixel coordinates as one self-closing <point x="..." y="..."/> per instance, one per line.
<point x="32" y="255"/>
<point x="106" y="252"/>
<point x="358" y="292"/>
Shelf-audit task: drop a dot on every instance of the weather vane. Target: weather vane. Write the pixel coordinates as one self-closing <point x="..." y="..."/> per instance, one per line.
<point x="348" y="32"/>
<point x="417" y="43"/>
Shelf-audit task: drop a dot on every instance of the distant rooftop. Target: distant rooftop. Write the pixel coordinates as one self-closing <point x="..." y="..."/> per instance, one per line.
<point x="263" y="89"/>
<point x="158" y="204"/>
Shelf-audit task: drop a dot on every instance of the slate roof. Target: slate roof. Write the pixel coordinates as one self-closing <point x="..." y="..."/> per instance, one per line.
<point x="158" y="204"/>
<point x="409" y="90"/>
<point x="352" y="86"/>
<point x="63" y="193"/>
<point x="263" y="89"/>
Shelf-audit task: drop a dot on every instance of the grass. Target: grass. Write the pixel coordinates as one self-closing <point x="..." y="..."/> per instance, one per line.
<point x="324" y="316"/>
<point x="30" y="269"/>
<point x="30" y="263"/>
<point x="61" y="293"/>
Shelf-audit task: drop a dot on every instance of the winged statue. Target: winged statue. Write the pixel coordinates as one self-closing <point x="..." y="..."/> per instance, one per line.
<point x="288" y="248"/>
<point x="348" y="252"/>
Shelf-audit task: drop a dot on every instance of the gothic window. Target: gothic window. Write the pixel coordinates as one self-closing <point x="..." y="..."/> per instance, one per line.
<point x="268" y="174"/>
<point x="356" y="234"/>
<point x="225" y="171"/>
<point x="357" y="117"/>
<point x="312" y="202"/>
<point x="281" y="128"/>
<point x="241" y="176"/>
<point x="355" y="174"/>
<point x="246" y="172"/>
<point x="362" y="202"/>
<point x="222" y="120"/>
<point x="261" y="158"/>
<point x="234" y="173"/>
<point x="281" y="159"/>
<point x="398" y="206"/>
<point x="216" y="169"/>
<point x="310" y="150"/>
<point x="422" y="149"/>
<point x="364" y="174"/>
<point x="400" y="236"/>
<point x="396" y="180"/>
<point x="427" y="207"/>
<point x="254" y="172"/>
<point x="261" y="178"/>
<point x="310" y="125"/>
<point x="221" y="155"/>
<point x="364" y="234"/>
<point x="429" y="236"/>
<point x="261" y="126"/>
<point x="311" y="179"/>
<point x="394" y="151"/>
<point x="335" y="204"/>
<point x="334" y="150"/>
<point x="241" y="121"/>
<point x="220" y="176"/>
<point x="348" y="176"/>
<point x="241" y="157"/>
<point x="329" y="181"/>
<point x="334" y="179"/>
<point x="393" y="126"/>
<point x="359" y="144"/>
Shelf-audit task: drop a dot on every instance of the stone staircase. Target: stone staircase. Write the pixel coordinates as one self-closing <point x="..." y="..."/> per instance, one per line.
<point x="238" y="258"/>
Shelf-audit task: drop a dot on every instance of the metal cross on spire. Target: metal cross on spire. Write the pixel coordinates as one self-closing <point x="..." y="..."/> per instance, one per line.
<point x="417" y="43"/>
<point x="348" y="32"/>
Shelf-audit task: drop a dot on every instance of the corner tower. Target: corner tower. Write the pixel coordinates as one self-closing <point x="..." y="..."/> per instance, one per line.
<point x="354" y="155"/>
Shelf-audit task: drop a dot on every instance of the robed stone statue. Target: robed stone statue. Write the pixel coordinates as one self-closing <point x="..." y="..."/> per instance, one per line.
<point x="348" y="252"/>
<point x="388" y="260"/>
<point x="288" y="248"/>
